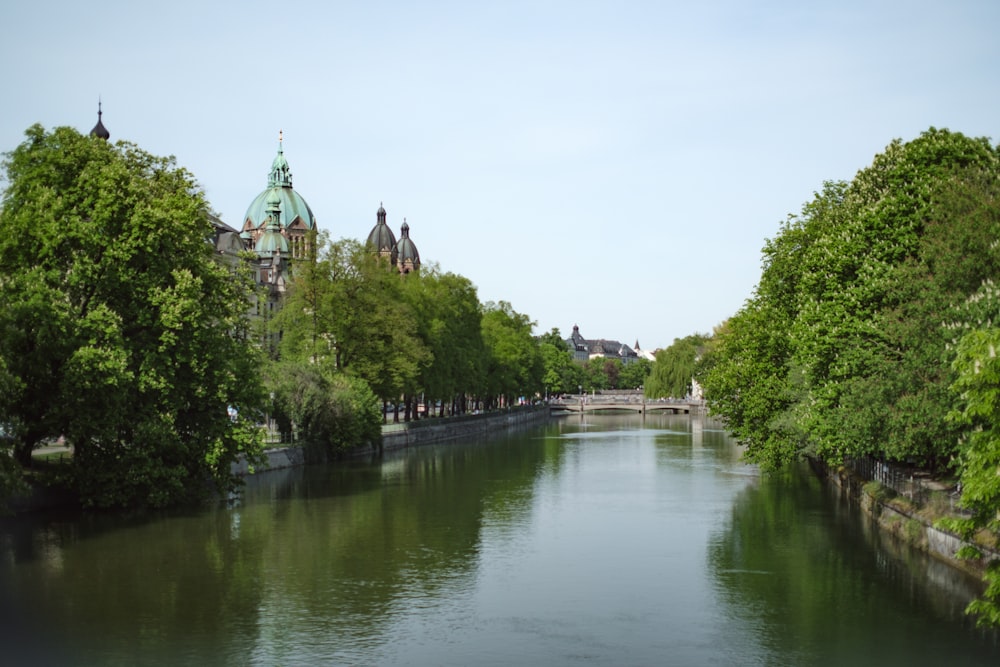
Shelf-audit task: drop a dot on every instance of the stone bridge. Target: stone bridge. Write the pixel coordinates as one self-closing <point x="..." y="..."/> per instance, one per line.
<point x="621" y="404"/>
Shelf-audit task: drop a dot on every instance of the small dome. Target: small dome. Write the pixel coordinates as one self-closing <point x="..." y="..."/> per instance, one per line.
<point x="99" y="130"/>
<point x="381" y="239"/>
<point x="270" y="242"/>
<point x="407" y="257"/>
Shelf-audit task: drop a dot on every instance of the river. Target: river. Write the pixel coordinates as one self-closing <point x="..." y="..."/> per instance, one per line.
<point x="602" y="540"/>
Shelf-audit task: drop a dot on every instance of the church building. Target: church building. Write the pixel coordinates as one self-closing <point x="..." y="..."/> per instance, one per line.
<point x="278" y="225"/>
<point x="401" y="254"/>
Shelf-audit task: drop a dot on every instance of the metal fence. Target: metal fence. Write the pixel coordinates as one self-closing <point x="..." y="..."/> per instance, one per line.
<point x="907" y="481"/>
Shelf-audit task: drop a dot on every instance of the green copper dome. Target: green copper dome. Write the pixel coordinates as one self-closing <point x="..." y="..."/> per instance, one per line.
<point x="272" y="240"/>
<point x="294" y="209"/>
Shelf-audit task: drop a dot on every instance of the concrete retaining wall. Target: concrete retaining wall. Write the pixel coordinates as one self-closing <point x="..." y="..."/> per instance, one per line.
<point x="413" y="434"/>
<point x="439" y="430"/>
<point x="285" y="457"/>
<point x="891" y="519"/>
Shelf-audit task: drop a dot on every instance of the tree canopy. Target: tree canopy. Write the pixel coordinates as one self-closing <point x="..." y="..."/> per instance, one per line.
<point x="841" y="351"/>
<point x="119" y="331"/>
<point x="872" y="330"/>
<point x="514" y="364"/>
<point x="674" y="368"/>
<point x="560" y="375"/>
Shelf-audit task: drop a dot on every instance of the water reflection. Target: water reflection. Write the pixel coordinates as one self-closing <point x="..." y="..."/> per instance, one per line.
<point x="608" y="540"/>
<point x="810" y="572"/>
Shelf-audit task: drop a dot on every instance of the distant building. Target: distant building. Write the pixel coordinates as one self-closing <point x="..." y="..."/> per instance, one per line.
<point x="584" y="349"/>
<point x="277" y="227"/>
<point x="279" y="211"/>
<point x="401" y="254"/>
<point x="644" y="354"/>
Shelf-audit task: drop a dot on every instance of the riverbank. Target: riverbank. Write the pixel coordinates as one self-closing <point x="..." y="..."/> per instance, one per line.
<point x="413" y="434"/>
<point x="394" y="437"/>
<point x="910" y="522"/>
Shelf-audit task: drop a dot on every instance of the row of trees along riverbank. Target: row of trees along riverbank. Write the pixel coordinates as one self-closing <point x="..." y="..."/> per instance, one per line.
<point x="874" y="330"/>
<point x="123" y="335"/>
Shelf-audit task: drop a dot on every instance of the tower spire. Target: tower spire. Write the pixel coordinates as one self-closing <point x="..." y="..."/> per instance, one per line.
<point x="281" y="174"/>
<point x="99" y="130"/>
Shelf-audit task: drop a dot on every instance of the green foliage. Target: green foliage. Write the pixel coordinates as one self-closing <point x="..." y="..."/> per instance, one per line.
<point x="674" y="368"/>
<point x="986" y="609"/>
<point x="448" y="323"/>
<point x="595" y="374"/>
<point x="514" y="364"/>
<point x="978" y="386"/>
<point x="119" y="330"/>
<point x="561" y="375"/>
<point x="349" y="311"/>
<point x="635" y="373"/>
<point x="331" y="410"/>
<point x="840" y="351"/>
<point x="345" y="311"/>
<point x="877" y="491"/>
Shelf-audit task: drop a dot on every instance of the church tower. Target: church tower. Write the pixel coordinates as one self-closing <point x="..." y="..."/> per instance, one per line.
<point x="99" y="130"/>
<point x="295" y="219"/>
<point x="402" y="254"/>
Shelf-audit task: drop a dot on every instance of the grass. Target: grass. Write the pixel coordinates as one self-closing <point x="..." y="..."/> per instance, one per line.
<point x="877" y="491"/>
<point x="53" y="457"/>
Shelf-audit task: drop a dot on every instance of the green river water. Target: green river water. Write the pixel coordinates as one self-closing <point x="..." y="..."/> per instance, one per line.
<point x="596" y="540"/>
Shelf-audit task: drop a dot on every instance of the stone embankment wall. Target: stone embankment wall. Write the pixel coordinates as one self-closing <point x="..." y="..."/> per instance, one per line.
<point x="427" y="431"/>
<point x="907" y="525"/>
<point x="412" y="434"/>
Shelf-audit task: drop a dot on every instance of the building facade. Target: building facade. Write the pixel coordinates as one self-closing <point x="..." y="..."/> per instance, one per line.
<point x="584" y="349"/>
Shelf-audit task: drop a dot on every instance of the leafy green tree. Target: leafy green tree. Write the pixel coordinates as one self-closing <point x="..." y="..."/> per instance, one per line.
<point x="612" y="371"/>
<point x="119" y="330"/>
<point x="345" y="311"/>
<point x="323" y="408"/>
<point x="747" y="373"/>
<point x="674" y="368"/>
<point x="560" y="375"/>
<point x="752" y="393"/>
<point x="514" y="365"/>
<point x="976" y="389"/>
<point x="306" y="315"/>
<point x="978" y="384"/>
<point x="634" y="374"/>
<point x="862" y="319"/>
<point x="11" y="480"/>
<point x="840" y="352"/>
<point x="595" y="376"/>
<point x="449" y="324"/>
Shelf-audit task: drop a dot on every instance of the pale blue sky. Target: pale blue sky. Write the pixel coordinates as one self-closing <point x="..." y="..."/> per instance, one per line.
<point x="616" y="165"/>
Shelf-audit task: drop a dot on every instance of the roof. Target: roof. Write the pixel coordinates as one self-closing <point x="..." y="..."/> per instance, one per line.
<point x="294" y="208"/>
<point x="381" y="239"/>
<point x="99" y="130"/>
<point x="406" y="248"/>
<point x="599" y="346"/>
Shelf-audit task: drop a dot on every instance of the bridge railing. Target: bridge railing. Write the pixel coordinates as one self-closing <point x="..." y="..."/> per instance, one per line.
<point x="576" y="399"/>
